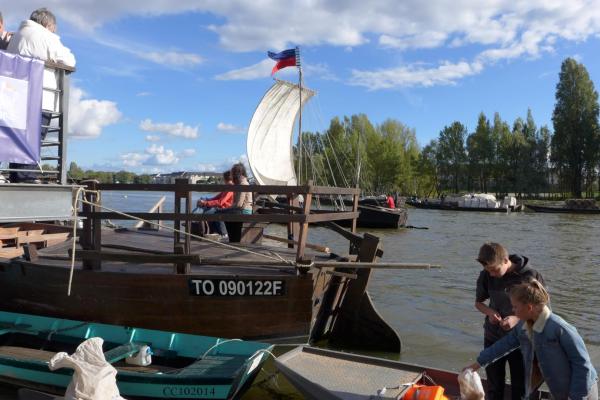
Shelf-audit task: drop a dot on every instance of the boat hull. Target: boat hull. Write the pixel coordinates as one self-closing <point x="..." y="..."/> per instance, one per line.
<point x="562" y="210"/>
<point x="434" y="206"/>
<point x="378" y="218"/>
<point x="156" y="301"/>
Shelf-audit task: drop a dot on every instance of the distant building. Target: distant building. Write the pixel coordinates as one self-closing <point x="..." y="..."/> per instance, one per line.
<point x="194" y="177"/>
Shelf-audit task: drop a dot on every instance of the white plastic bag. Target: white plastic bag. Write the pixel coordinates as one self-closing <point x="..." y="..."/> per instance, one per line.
<point x="470" y="385"/>
<point x="94" y="378"/>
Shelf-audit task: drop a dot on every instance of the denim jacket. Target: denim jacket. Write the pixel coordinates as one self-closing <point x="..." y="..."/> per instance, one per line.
<point x="562" y="357"/>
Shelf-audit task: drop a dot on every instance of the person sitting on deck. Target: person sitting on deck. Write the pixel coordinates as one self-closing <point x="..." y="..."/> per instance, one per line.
<point x="218" y="202"/>
<point x="242" y="201"/>
<point x="390" y="201"/>
<point x="4" y="35"/>
<point x="37" y="38"/>
<point x="552" y="349"/>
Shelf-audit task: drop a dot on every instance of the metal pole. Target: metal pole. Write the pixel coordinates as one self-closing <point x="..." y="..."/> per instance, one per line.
<point x="299" y="115"/>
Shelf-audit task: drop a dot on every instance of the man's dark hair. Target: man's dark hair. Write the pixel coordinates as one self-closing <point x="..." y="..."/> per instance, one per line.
<point x="227" y="175"/>
<point x="237" y="171"/>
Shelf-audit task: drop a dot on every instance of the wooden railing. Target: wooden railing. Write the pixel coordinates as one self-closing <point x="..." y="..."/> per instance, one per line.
<point x="301" y="217"/>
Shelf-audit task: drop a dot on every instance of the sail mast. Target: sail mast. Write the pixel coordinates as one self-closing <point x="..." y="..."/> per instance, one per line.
<point x="299" y="115"/>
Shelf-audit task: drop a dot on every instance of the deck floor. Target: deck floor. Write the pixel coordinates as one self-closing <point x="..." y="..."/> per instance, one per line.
<point x="152" y="241"/>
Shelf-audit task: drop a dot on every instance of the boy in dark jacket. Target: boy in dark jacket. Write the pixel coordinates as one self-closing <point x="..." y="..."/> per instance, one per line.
<point x="500" y="272"/>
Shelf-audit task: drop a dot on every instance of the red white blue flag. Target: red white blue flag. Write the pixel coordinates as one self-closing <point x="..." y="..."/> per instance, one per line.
<point x="286" y="58"/>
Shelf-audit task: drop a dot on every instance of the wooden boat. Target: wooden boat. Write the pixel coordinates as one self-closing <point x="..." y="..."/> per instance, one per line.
<point x="453" y="207"/>
<point x="183" y="366"/>
<point x="321" y="374"/>
<point x="562" y="210"/>
<point x="164" y="280"/>
<point x="378" y="217"/>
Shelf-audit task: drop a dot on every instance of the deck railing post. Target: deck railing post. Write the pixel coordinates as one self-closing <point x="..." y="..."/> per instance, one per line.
<point x="92" y="227"/>
<point x="304" y="226"/>
<point x="354" y="209"/>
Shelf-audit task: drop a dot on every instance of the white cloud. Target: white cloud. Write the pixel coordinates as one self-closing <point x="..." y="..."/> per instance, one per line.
<point x="187" y="153"/>
<point x="206" y="167"/>
<point x="499" y="29"/>
<point x="258" y="70"/>
<point x="143" y="94"/>
<point x="230" y="128"/>
<point x="152" y="138"/>
<point x="153" y="156"/>
<point x="178" y="129"/>
<point x="87" y="117"/>
<point x="414" y="75"/>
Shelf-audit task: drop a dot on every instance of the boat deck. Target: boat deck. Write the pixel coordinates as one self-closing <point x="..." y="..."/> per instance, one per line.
<point x="152" y="242"/>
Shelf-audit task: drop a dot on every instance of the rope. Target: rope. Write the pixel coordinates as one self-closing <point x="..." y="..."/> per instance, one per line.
<point x="75" y="209"/>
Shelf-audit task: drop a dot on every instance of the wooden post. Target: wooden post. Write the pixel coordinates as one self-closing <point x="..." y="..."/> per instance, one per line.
<point x="304" y="226"/>
<point x="177" y="210"/>
<point x="188" y="223"/>
<point x="354" y="209"/>
<point x="92" y="228"/>
<point x="181" y="267"/>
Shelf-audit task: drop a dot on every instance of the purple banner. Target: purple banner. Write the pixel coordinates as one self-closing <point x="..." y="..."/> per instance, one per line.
<point x="21" y="81"/>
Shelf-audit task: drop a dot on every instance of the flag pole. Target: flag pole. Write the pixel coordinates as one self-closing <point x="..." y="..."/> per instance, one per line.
<point x="299" y="65"/>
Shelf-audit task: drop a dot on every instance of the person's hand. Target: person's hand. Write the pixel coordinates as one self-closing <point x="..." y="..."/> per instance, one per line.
<point x="509" y="322"/>
<point x="494" y="318"/>
<point x="200" y="203"/>
<point x="473" y="367"/>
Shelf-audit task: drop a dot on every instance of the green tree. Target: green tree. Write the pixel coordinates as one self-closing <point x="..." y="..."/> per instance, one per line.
<point x="481" y="152"/>
<point x="451" y="155"/>
<point x="576" y="139"/>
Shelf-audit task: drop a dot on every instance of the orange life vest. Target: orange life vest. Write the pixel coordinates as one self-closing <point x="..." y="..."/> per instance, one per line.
<point x="423" y="392"/>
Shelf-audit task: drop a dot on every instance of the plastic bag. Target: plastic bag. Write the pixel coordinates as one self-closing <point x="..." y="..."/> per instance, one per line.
<point x="470" y="385"/>
<point x="94" y="378"/>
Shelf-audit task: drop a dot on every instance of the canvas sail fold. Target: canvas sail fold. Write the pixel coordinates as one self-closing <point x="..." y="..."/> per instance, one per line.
<point x="270" y="134"/>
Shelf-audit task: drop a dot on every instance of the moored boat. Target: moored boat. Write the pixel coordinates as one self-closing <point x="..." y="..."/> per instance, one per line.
<point x="182" y="365"/>
<point x="478" y="202"/>
<point x="562" y="210"/>
<point x="321" y="374"/>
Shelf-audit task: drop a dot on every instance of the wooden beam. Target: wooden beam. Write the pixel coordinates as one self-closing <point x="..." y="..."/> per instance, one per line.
<point x="302" y="236"/>
<point x="136" y="258"/>
<point x="276" y="218"/>
<point x="309" y="245"/>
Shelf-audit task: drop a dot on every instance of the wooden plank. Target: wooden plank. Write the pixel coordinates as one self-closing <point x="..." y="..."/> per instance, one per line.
<point x="264" y="189"/>
<point x="309" y="245"/>
<point x="333" y="216"/>
<point x="9" y="231"/>
<point x="135" y="258"/>
<point x="11" y="252"/>
<point x="276" y="218"/>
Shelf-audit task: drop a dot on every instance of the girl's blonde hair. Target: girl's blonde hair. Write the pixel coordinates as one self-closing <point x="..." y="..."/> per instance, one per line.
<point x="532" y="292"/>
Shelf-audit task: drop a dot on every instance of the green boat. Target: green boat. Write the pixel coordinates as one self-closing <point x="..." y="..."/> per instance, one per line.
<point x="183" y="366"/>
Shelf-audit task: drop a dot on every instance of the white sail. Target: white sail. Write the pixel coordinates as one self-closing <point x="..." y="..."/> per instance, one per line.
<point x="269" y="144"/>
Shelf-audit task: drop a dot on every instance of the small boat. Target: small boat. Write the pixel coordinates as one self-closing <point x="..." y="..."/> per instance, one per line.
<point x="563" y="210"/>
<point x="378" y="217"/>
<point x="322" y="374"/>
<point x="183" y="365"/>
<point x="479" y="202"/>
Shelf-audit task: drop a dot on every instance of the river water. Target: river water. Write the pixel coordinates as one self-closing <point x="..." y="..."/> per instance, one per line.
<point x="433" y="310"/>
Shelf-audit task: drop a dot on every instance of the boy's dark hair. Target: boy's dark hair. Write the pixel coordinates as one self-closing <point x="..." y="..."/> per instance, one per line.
<point x="492" y="254"/>
<point x="227" y="175"/>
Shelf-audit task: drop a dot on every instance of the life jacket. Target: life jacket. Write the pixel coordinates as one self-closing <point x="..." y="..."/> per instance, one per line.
<point x="424" y="392"/>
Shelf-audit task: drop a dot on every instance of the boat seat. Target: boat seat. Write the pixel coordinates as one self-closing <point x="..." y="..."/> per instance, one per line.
<point x="12" y="328"/>
<point x="214" y="366"/>
<point x="121" y="352"/>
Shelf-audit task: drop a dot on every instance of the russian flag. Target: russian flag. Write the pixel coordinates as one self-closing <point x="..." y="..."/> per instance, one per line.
<point x="286" y="58"/>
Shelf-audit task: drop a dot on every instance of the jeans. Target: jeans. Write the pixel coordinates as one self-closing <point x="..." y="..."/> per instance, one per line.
<point x="496" y="375"/>
<point x="215" y="226"/>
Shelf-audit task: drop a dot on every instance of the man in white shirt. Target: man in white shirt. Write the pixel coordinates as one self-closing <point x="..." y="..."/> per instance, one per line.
<point x="37" y="38"/>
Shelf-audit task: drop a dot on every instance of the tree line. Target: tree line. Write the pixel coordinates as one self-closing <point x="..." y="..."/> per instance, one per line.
<point x="497" y="157"/>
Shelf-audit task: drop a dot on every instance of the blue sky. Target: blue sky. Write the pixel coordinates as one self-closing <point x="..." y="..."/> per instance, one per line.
<point x="171" y="85"/>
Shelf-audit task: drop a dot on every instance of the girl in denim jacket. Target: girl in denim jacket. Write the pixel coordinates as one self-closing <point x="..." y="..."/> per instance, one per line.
<point x="552" y="349"/>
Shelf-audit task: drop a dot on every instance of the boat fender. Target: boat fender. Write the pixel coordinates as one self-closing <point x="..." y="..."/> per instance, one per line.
<point x="141" y="358"/>
<point x="424" y="392"/>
